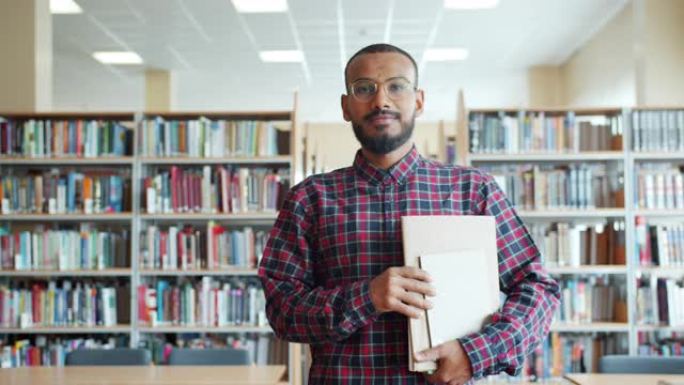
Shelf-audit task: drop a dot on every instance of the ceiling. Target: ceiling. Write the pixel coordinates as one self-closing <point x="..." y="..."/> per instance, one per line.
<point x="213" y="50"/>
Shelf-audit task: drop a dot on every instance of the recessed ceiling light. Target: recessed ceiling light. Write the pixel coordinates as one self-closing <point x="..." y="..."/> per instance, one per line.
<point x="446" y="54"/>
<point x="281" y="56"/>
<point x="64" y="7"/>
<point x="470" y="4"/>
<point x="260" y="6"/>
<point x="120" y="57"/>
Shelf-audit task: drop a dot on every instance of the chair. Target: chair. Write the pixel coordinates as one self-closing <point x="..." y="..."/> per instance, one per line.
<point x="643" y="364"/>
<point x="101" y="357"/>
<point x="209" y="357"/>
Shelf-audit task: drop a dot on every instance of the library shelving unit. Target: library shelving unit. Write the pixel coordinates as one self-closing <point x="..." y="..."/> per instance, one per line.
<point x="564" y="170"/>
<point x="263" y="143"/>
<point x="66" y="221"/>
<point x="529" y="151"/>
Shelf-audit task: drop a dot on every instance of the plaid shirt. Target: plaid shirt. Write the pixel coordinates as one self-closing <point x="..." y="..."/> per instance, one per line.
<point x="337" y="231"/>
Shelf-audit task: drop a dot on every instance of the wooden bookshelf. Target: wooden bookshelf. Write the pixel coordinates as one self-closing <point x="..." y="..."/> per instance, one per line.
<point x="240" y="217"/>
<point x="205" y="329"/>
<point x="590" y="327"/>
<point x="587" y="269"/>
<point x="114" y="272"/>
<point x="66" y="161"/>
<point x="573" y="213"/>
<point x="113" y="217"/>
<point x="119" y="329"/>
<point x="646" y="156"/>
<point x="656" y="213"/>
<point x="236" y="272"/>
<point x="262" y="160"/>
<point x="138" y="166"/>
<point x="548" y="157"/>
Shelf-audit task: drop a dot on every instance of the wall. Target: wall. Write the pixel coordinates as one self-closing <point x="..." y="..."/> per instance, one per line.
<point x="602" y="72"/>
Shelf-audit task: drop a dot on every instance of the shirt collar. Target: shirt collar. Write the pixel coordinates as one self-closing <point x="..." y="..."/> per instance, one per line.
<point x="398" y="173"/>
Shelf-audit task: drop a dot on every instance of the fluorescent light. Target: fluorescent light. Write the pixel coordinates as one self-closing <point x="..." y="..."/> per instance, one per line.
<point x="64" y="7"/>
<point x="120" y="57"/>
<point x="260" y="6"/>
<point x="281" y="56"/>
<point x="470" y="4"/>
<point x="445" y="54"/>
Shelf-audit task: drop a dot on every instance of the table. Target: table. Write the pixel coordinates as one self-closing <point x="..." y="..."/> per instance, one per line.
<point x="625" y="379"/>
<point x="143" y="375"/>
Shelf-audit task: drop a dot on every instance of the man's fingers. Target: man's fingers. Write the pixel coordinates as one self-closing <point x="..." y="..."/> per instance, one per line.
<point x="414" y="300"/>
<point x="418" y="287"/>
<point x="407" y="310"/>
<point x="414" y="272"/>
<point x="433" y="354"/>
<point x="430" y="354"/>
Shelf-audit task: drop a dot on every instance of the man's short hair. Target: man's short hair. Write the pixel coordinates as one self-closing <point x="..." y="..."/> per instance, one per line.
<point x="379" y="48"/>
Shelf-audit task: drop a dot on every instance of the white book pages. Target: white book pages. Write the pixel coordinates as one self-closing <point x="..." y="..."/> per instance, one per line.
<point x="467" y="286"/>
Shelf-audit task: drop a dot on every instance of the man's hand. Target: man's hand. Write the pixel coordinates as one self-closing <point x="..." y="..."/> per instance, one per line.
<point x="453" y="364"/>
<point x="401" y="289"/>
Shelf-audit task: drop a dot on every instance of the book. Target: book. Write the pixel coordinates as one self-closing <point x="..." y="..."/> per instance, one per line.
<point x="423" y="235"/>
<point x="453" y="274"/>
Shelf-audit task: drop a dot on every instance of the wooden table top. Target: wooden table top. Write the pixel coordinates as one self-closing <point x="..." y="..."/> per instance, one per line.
<point x="143" y="375"/>
<point x="626" y="379"/>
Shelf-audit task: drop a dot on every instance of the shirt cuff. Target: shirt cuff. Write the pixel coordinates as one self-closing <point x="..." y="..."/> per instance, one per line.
<point x="360" y="308"/>
<point x="478" y="347"/>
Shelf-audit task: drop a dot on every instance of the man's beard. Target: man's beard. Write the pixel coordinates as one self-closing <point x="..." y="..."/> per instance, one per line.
<point x="384" y="144"/>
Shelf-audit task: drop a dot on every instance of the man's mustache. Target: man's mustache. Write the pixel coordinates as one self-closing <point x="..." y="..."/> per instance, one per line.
<point x="375" y="113"/>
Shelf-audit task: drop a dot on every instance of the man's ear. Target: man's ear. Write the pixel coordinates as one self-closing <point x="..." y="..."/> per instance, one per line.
<point x="344" y="100"/>
<point x="420" y="100"/>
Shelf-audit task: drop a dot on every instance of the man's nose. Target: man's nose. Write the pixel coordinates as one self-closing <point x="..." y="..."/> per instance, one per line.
<point x="381" y="100"/>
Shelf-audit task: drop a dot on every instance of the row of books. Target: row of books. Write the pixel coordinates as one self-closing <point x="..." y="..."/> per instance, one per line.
<point x="593" y="299"/>
<point x="659" y="245"/>
<point x="528" y="132"/>
<point x="660" y="344"/>
<point x="209" y="302"/>
<point x="567" y="244"/>
<point x="539" y="187"/>
<point x="59" y="192"/>
<point x="263" y="348"/>
<point x="64" y="138"/>
<point x="49" y="304"/>
<point x="191" y="248"/>
<point x="660" y="186"/>
<point x="221" y="189"/>
<point x="658" y="130"/>
<point x="660" y="301"/>
<point x="561" y="354"/>
<point x="86" y="247"/>
<point x="204" y="138"/>
<point x="50" y="351"/>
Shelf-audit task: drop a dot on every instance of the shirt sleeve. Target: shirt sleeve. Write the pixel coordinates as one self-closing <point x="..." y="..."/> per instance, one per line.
<point x="532" y="296"/>
<point x="297" y="309"/>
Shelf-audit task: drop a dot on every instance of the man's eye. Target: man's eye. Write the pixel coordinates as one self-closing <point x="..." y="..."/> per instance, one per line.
<point x="396" y="87"/>
<point x="363" y="89"/>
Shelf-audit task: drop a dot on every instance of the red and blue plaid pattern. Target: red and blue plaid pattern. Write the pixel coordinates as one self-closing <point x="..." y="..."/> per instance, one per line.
<point x="336" y="231"/>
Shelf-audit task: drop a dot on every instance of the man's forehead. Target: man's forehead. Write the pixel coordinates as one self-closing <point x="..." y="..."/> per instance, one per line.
<point x="387" y="64"/>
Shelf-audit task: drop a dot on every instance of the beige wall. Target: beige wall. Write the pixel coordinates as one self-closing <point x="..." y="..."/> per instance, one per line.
<point x="545" y="87"/>
<point x="663" y="60"/>
<point x="26" y="46"/>
<point x="335" y="144"/>
<point x="637" y="58"/>
<point x="602" y="72"/>
<point x="159" y="90"/>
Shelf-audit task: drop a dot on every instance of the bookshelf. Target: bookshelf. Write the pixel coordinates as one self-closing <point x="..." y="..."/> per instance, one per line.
<point x="641" y="141"/>
<point x="271" y="147"/>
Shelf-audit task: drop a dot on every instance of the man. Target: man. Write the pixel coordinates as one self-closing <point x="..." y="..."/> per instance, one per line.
<point x="332" y="269"/>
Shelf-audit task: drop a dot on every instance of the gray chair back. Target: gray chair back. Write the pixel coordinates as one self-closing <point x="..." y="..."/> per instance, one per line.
<point x="209" y="357"/>
<point x="641" y="364"/>
<point x="102" y="357"/>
